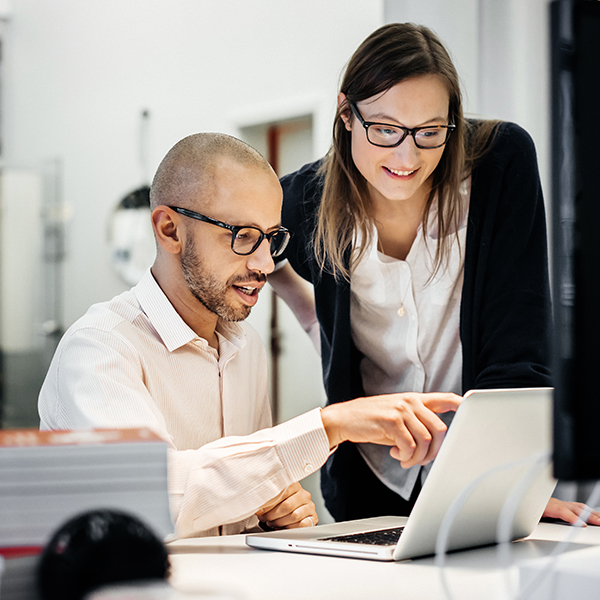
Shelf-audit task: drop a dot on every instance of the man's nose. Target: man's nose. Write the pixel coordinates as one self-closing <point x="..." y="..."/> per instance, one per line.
<point x="261" y="259"/>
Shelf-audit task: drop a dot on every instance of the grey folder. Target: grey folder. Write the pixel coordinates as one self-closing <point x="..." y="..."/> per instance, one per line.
<point x="495" y="454"/>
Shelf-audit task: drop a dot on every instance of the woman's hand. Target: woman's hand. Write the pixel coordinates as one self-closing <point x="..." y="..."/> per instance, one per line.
<point x="292" y="508"/>
<point x="568" y="511"/>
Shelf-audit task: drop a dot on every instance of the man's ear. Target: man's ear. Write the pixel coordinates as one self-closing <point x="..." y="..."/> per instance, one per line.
<point x="166" y="223"/>
<point x="346" y="113"/>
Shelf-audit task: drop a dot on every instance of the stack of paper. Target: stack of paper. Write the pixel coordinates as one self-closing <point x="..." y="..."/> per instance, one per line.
<point x="18" y="568"/>
<point x="48" y="477"/>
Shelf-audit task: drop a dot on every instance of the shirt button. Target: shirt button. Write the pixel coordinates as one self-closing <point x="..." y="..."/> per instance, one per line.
<point x="308" y="468"/>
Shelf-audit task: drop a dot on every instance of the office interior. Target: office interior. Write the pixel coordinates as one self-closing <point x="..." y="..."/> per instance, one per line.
<point x="94" y="93"/>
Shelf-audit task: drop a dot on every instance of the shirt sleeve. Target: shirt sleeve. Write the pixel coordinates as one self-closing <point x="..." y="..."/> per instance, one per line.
<point x="228" y="480"/>
<point x="95" y="381"/>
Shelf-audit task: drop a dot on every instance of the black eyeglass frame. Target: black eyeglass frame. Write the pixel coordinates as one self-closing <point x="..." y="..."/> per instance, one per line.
<point x="412" y="132"/>
<point x="235" y="229"/>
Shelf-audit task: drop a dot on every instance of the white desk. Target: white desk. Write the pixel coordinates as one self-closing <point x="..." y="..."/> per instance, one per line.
<point x="226" y="563"/>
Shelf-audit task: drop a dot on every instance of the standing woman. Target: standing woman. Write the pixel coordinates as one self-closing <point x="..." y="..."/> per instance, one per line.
<point x="424" y="236"/>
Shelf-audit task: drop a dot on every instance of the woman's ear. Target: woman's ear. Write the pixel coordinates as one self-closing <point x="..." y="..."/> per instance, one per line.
<point x="165" y="223"/>
<point x="345" y="113"/>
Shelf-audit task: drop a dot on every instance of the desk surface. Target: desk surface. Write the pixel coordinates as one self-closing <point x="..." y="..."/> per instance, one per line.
<point x="227" y="564"/>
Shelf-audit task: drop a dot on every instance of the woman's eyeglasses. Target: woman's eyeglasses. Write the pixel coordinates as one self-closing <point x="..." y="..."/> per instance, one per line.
<point x="390" y="136"/>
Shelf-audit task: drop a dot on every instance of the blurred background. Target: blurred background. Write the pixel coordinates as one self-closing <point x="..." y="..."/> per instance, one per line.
<point x="93" y="94"/>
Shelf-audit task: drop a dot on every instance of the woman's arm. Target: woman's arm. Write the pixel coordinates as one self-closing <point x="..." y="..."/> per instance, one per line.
<point x="298" y="295"/>
<point x="505" y="312"/>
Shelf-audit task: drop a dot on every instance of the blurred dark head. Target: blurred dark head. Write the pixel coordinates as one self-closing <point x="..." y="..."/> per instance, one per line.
<point x="98" y="548"/>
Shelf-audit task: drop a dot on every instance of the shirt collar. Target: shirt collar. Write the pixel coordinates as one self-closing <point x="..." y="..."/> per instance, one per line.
<point x="172" y="329"/>
<point x="232" y="338"/>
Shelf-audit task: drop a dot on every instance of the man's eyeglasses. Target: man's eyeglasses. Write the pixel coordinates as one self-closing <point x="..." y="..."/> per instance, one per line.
<point x="245" y="239"/>
<point x="390" y="136"/>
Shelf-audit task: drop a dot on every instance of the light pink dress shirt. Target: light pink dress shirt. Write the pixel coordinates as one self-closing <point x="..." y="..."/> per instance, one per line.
<point x="133" y="362"/>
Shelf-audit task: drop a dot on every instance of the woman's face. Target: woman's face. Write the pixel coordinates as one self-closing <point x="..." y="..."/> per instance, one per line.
<point x="401" y="173"/>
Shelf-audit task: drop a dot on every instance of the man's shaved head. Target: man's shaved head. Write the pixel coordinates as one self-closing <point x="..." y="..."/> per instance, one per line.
<point x="187" y="171"/>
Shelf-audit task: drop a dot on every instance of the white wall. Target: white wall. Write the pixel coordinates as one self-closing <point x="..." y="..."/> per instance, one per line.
<point x="514" y="75"/>
<point x="21" y="193"/>
<point x="78" y="74"/>
<point x="456" y="22"/>
<point x="500" y="48"/>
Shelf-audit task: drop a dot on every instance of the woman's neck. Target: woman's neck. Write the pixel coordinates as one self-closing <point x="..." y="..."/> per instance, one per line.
<point x="397" y="223"/>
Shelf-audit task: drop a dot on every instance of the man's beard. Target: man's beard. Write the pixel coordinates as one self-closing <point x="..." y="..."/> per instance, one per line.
<point x="210" y="291"/>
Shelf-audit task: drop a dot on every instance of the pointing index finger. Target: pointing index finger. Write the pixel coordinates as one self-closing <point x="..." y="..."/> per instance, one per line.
<point x="442" y="402"/>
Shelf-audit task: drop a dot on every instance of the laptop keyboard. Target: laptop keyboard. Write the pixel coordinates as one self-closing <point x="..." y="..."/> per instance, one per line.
<point x="381" y="537"/>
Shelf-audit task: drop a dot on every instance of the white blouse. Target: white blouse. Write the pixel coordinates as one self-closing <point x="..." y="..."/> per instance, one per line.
<point x="408" y="331"/>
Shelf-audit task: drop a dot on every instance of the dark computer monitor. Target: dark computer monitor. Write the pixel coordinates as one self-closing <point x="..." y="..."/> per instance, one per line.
<point x="575" y="59"/>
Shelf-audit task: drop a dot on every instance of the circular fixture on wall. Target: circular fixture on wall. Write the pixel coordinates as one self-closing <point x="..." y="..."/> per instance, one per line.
<point x="130" y="236"/>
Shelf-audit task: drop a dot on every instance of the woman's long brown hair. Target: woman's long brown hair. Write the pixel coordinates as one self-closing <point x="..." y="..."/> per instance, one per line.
<point x="388" y="56"/>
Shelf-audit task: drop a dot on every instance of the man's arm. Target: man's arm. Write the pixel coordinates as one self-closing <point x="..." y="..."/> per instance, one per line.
<point x="231" y="478"/>
<point x="96" y="380"/>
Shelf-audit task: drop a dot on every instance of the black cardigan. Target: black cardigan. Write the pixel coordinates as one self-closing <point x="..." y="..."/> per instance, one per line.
<point x="505" y="306"/>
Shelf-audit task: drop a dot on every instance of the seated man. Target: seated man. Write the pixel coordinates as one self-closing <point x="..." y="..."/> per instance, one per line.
<point x="171" y="355"/>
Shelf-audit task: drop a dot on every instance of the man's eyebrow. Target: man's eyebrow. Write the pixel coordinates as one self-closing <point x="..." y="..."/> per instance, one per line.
<point x="273" y="228"/>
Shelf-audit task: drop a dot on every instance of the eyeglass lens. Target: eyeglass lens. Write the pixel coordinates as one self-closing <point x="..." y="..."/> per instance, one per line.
<point x="427" y="137"/>
<point x="248" y="239"/>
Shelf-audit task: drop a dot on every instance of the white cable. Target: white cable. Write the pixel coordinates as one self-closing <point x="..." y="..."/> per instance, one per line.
<point x="574" y="529"/>
<point x="509" y="511"/>
<point x="441" y="544"/>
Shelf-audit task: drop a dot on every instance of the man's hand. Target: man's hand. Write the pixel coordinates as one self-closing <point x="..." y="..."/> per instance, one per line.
<point x="292" y="508"/>
<point x="408" y="422"/>
<point x="568" y="511"/>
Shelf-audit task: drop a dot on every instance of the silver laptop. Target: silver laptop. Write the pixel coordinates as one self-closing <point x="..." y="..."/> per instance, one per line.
<point x="496" y="453"/>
